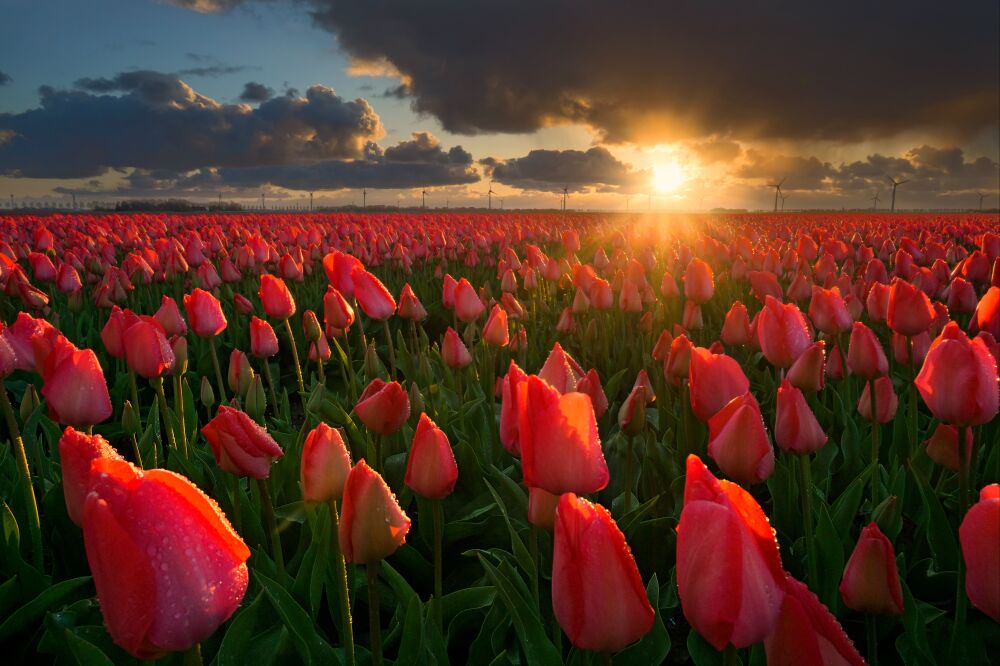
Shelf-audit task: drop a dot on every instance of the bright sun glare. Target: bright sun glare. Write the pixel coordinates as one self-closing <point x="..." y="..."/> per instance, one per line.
<point x="668" y="176"/>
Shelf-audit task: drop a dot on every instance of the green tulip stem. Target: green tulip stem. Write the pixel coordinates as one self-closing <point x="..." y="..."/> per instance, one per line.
<point x="870" y="629"/>
<point x="374" y="622"/>
<point x="805" y="491"/>
<point x="295" y="357"/>
<point x="179" y="410"/>
<point x="272" y="527"/>
<point x="34" y="522"/>
<point x="218" y="372"/>
<point x="392" y="349"/>
<point x="161" y="399"/>
<point x="629" y="474"/>
<point x="347" y="624"/>
<point x="270" y="385"/>
<point x="134" y="390"/>
<point x="438" y="532"/>
<point x="876" y="427"/>
<point x="730" y="656"/>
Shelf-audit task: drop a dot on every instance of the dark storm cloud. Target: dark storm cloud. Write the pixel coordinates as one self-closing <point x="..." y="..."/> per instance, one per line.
<point x="551" y="170"/>
<point x="784" y="68"/>
<point x="255" y="92"/>
<point x="4" y="79"/>
<point x="156" y="121"/>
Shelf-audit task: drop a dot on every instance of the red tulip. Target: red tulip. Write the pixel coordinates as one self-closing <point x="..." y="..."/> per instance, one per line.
<point x="561" y="370"/>
<point x="764" y="284"/>
<point x="961" y="296"/>
<point x="910" y="311"/>
<point x="597" y="593"/>
<point x="337" y="312"/>
<point x="510" y="412"/>
<point x="431" y="470"/>
<point x="147" y="352"/>
<point x="240" y="373"/>
<point x="242" y="304"/>
<point x="410" y="306"/>
<point x="240" y="445"/>
<point x="448" y="287"/>
<point x="339" y="268"/>
<point x="877" y="302"/>
<point x="865" y="356"/>
<point x="601" y="295"/>
<point x="987" y="315"/>
<point x="263" y="340"/>
<point x="542" y="508"/>
<point x="736" y="327"/>
<point x="782" y="332"/>
<point x="468" y="305"/>
<point x="326" y="463"/>
<point x="113" y="333"/>
<point x="591" y="385"/>
<point x="738" y="443"/>
<point x="204" y="313"/>
<point x="871" y="580"/>
<point x="560" y="447"/>
<point x="276" y="298"/>
<point x="796" y="429"/>
<point x="958" y="380"/>
<point x="382" y="407"/>
<point x="374" y="299"/>
<point x="979" y="535"/>
<point x="74" y="385"/>
<point x="677" y="365"/>
<point x="828" y="311"/>
<point x="942" y="446"/>
<point x="454" y="352"/>
<point x="495" y="330"/>
<point x="699" y="282"/>
<point x="372" y="524"/>
<point x="886" y="400"/>
<point x="807" y="371"/>
<point x="169" y="316"/>
<point x="807" y="633"/>
<point x="715" y="379"/>
<point x="77" y="450"/>
<point x="168" y="567"/>
<point x="729" y="575"/>
<point x="662" y="347"/>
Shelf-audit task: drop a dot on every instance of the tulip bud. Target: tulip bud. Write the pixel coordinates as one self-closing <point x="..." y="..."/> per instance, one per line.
<point x="372" y="524"/>
<point x="207" y="394"/>
<point x="738" y="443"/>
<point x="796" y="429"/>
<point x="454" y="352"/>
<point x="871" y="580"/>
<point x="276" y="298"/>
<point x="806" y="373"/>
<point x="310" y="326"/>
<point x="958" y="380"/>
<point x="29" y="403"/>
<point x="256" y="402"/>
<point x="179" y="345"/>
<point x="632" y="414"/>
<point x="431" y="471"/>
<point x="373" y="364"/>
<point x="979" y="535"/>
<point x="240" y="373"/>
<point x="715" y="379"/>
<point x="886" y="400"/>
<point x="887" y="512"/>
<point x="130" y="420"/>
<point x="383" y="407"/>
<point x="326" y="462"/>
<point x="241" y="446"/>
<point x="416" y="399"/>
<point x="865" y="356"/>
<point x="942" y="446"/>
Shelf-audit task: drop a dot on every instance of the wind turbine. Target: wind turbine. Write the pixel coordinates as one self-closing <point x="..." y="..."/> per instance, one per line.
<point x="262" y="207"/>
<point x="565" y="194"/>
<point x="423" y="199"/>
<point x="895" y="184"/>
<point x="310" y="202"/>
<point x="783" y="197"/>
<point x="981" y="197"/>
<point x="501" y="204"/>
<point x="777" y="191"/>
<point x="875" y="200"/>
<point x="364" y="197"/>
<point x="489" y="195"/>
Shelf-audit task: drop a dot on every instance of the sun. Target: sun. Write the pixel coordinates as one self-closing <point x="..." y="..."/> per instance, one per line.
<point x="668" y="176"/>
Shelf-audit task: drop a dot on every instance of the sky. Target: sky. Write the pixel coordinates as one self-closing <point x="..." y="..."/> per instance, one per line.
<point x="686" y="105"/>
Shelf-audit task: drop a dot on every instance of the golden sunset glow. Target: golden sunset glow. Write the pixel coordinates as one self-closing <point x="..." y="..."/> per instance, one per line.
<point x="668" y="176"/>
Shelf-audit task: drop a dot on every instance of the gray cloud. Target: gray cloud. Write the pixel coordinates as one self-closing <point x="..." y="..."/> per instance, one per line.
<point x="255" y="92"/>
<point x="4" y="79"/>
<point x="159" y="122"/>
<point x="551" y="170"/>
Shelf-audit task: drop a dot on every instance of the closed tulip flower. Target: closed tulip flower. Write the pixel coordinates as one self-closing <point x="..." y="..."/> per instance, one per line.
<point x="240" y="445"/>
<point x="561" y="370"/>
<point x="865" y="356"/>
<point x="942" y="446"/>
<point x="910" y="311"/>
<point x="448" y="287"/>
<point x="468" y="305"/>
<point x="337" y="312"/>
<point x="597" y="593"/>
<point x="276" y="298"/>
<point x="591" y="385"/>
<point x="167" y="565"/>
<point x="113" y="333"/>
<point x="806" y="632"/>
<point x="738" y="442"/>
<point x="828" y="311"/>
<point x="601" y="295"/>
<point x="632" y="413"/>
<point x="764" y="284"/>
<point x="77" y="450"/>
<point x="372" y="524"/>
<point x="454" y="352"/>
<point x="73" y="385"/>
<point x="736" y="327"/>
<point x="383" y="407"/>
<point x="699" y="282"/>
<point x="326" y="463"/>
<point x="871" y="581"/>
<point x="979" y="535"/>
<point x="782" y="332"/>
<point x="877" y="302"/>
<point x="886" y="400"/>
<point x="796" y="429"/>
<point x="410" y="306"/>
<point x="987" y="315"/>
<point x="560" y="448"/>
<point x="510" y="412"/>
<point x="724" y="532"/>
<point x="431" y="470"/>
<point x="374" y="299"/>
<point x="169" y="316"/>
<point x="715" y="379"/>
<point x="961" y="296"/>
<point x="242" y="304"/>
<point x="147" y="351"/>
<point x="807" y="373"/>
<point x="204" y="313"/>
<point x="263" y="340"/>
<point x="495" y="330"/>
<point x="677" y="365"/>
<point x="958" y="380"/>
<point x="240" y="373"/>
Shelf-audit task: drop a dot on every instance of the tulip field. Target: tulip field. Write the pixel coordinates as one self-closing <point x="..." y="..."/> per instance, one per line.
<point x="509" y="438"/>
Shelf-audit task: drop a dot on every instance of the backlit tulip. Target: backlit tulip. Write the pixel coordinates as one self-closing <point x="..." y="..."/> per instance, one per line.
<point x="632" y="413"/>
<point x="410" y="306"/>
<point x="561" y="370"/>
<point x="910" y="311"/>
<point x="736" y="327"/>
<point x="383" y="407"/>
<point x="560" y="447"/>
<point x="714" y="379"/>
<point x="942" y="446"/>
<point x="337" y="312"/>
<point x="169" y="316"/>
<point x="678" y="362"/>
<point x="807" y="633"/>
<point x="431" y="470"/>
<point x="147" y="351"/>
<point x="112" y="335"/>
<point x="325" y="465"/>
<point x="597" y="593"/>
<point x="77" y="450"/>
<point x="979" y="535"/>
<point x="73" y="385"/>
<point x="886" y="400"/>
<point x="495" y="330"/>
<point x="240" y="373"/>
<point x="372" y="524"/>
<point x="865" y="356"/>
<point x="699" y="282"/>
<point x="454" y="352"/>
<point x="738" y="442"/>
<point x="263" y="340"/>
<point x="796" y="429"/>
<point x="877" y="302"/>
<point x="871" y="581"/>
<point x="987" y="315"/>
<point x="374" y="299"/>
<point x="240" y="445"/>
<point x="448" y="286"/>
<point x="782" y="332"/>
<point x="828" y="311"/>
<point x="807" y="371"/>
<point x="168" y="567"/>
<point x="468" y="305"/>
<point x="591" y="385"/>
<point x="729" y="575"/>
<point x="958" y="380"/>
<point x="204" y="314"/>
<point x="765" y="284"/>
<point x="510" y="413"/>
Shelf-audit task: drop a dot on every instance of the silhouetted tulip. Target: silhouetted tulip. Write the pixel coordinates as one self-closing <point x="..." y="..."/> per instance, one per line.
<point x="410" y="306"/>
<point x="782" y="332"/>
<point x="961" y="296"/>
<point x="958" y="380"/>
<point x="729" y="575"/>
<point x="738" y="443"/>
<point x="678" y="362"/>
<point x="632" y="413"/>
<point x="591" y="385"/>
<point x="715" y="379"/>
<point x="871" y="580"/>
<point x="325" y="465"/>
<point x="796" y="429"/>
<point x="383" y="407"/>
<point x="263" y="340"/>
<point x="374" y="299"/>
<point x="168" y="567"/>
<point x="979" y="535"/>
<point x="240" y="373"/>
<point x="808" y="370"/>
<point x="372" y="524"/>
<point x="431" y="470"/>
<point x="806" y="633"/>
<point x="240" y="445"/>
<point x="942" y="446"/>
<point x="77" y="450"/>
<point x="597" y="593"/>
<point x="204" y="314"/>
<point x="169" y="316"/>
<point x="865" y="356"/>
<point x="910" y="311"/>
